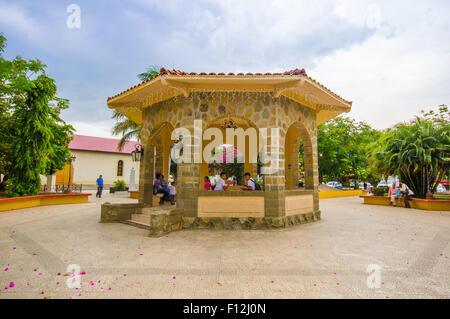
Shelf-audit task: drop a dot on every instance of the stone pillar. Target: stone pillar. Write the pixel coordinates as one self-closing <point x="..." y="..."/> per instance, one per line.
<point x="274" y="184"/>
<point x="146" y="176"/>
<point x="188" y="180"/>
<point x="159" y="161"/>
<point x="312" y="169"/>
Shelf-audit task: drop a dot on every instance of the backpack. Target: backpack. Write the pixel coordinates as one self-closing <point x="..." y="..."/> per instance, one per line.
<point x="257" y="186"/>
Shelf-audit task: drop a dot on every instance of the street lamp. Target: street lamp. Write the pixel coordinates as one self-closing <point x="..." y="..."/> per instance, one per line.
<point x="137" y="153"/>
<point x="71" y="159"/>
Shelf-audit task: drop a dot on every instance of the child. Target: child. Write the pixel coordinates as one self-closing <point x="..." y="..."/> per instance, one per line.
<point x="207" y="185"/>
<point x="172" y="192"/>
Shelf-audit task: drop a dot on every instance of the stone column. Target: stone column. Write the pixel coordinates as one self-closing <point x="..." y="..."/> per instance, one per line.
<point x="274" y="184"/>
<point x="146" y="176"/>
<point x="312" y="169"/>
<point x="188" y="179"/>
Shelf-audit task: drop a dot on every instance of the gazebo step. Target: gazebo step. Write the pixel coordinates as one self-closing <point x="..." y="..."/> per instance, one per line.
<point x="136" y="224"/>
<point x="141" y="218"/>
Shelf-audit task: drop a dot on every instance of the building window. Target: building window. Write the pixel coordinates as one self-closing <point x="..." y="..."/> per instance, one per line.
<point x="120" y="168"/>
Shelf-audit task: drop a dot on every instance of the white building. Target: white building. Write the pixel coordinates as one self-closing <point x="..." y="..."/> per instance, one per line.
<point x="96" y="156"/>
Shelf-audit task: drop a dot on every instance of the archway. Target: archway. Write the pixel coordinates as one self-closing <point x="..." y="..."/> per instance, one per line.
<point x="239" y="148"/>
<point x="296" y="137"/>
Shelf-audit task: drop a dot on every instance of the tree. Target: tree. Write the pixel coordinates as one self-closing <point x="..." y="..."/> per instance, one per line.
<point x="124" y="126"/>
<point x="33" y="137"/>
<point x="343" y="145"/>
<point x="417" y="151"/>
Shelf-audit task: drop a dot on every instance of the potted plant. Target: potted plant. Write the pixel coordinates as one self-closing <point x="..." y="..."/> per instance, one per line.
<point x="119" y="186"/>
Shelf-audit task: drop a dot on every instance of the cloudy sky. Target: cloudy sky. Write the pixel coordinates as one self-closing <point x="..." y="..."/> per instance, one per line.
<point x="391" y="58"/>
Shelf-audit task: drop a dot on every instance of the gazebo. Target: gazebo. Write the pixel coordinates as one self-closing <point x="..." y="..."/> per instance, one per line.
<point x="291" y="102"/>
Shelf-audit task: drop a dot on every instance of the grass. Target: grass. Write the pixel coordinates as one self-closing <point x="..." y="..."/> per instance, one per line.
<point x="445" y="197"/>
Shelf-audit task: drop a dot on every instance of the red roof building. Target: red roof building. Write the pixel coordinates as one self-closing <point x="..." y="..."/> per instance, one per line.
<point x="100" y="144"/>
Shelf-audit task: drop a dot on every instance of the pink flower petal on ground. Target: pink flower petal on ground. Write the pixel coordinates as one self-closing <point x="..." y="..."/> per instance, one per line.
<point x="334" y="273"/>
<point x="174" y="277"/>
<point x="83" y="273"/>
<point x="315" y="285"/>
<point x="28" y="284"/>
<point x="99" y="281"/>
<point x="139" y="282"/>
<point x="14" y="248"/>
<point x="109" y="288"/>
<point x="6" y="269"/>
<point x="58" y="274"/>
<point x="57" y="282"/>
<point x="11" y="284"/>
<point x="272" y="281"/>
<point x="40" y="274"/>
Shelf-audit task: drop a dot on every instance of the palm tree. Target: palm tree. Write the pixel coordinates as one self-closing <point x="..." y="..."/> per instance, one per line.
<point x="151" y="72"/>
<point x="124" y="126"/>
<point x="418" y="152"/>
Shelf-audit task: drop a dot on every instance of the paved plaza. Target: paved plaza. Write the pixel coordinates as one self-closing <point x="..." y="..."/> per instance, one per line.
<point x="325" y="259"/>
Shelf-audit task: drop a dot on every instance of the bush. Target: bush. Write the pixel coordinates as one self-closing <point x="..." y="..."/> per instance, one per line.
<point x="380" y="191"/>
<point x="120" y="185"/>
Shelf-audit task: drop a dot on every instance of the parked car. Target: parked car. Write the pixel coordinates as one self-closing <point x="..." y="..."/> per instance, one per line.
<point x="383" y="184"/>
<point x="361" y="185"/>
<point x="335" y="184"/>
<point x="441" y="189"/>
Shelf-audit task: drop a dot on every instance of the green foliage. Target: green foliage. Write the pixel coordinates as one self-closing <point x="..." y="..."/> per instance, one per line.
<point x="120" y="185"/>
<point x="125" y="127"/>
<point x="417" y="151"/>
<point x="380" y="191"/>
<point x="151" y="72"/>
<point x="343" y="145"/>
<point x="33" y="137"/>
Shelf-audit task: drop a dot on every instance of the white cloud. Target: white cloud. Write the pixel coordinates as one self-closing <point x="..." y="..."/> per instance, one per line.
<point x="391" y="78"/>
<point x="390" y="57"/>
<point x="100" y="129"/>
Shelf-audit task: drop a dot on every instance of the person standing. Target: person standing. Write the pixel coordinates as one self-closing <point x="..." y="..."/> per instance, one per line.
<point x="99" y="186"/>
<point x="406" y="192"/>
<point x="172" y="192"/>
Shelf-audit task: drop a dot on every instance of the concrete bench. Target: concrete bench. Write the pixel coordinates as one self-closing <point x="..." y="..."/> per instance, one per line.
<point x="158" y="199"/>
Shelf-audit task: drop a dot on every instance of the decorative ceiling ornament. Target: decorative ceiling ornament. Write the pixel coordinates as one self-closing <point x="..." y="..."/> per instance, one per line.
<point x="229" y="123"/>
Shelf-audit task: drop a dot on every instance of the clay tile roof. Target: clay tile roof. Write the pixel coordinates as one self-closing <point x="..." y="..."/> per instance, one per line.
<point x="164" y="71"/>
<point x="100" y="144"/>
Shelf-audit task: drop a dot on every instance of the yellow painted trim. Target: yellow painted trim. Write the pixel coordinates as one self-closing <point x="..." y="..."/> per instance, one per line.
<point x="134" y="195"/>
<point x="343" y="193"/>
<point x="435" y="205"/>
<point x="44" y="201"/>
